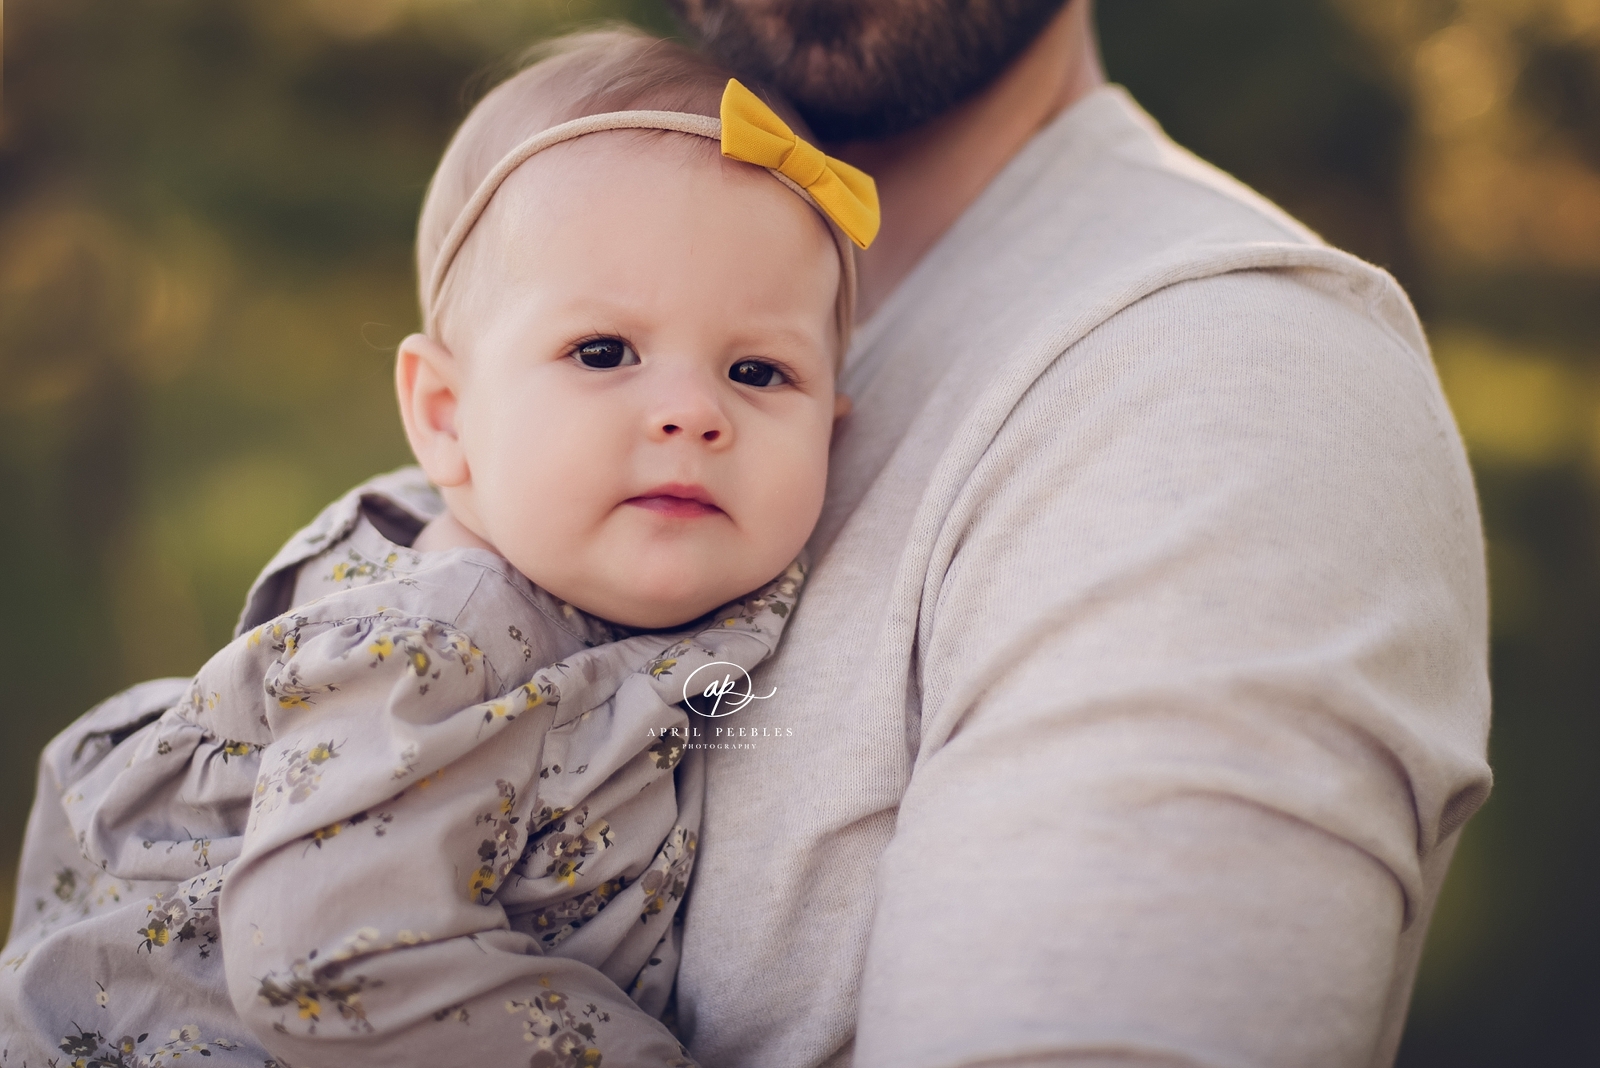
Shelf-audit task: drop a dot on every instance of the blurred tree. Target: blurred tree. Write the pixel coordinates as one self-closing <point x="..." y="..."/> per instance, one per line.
<point x="1289" y="95"/>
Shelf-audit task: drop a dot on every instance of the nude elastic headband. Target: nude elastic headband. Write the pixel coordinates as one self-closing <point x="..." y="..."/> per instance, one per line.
<point x="748" y="131"/>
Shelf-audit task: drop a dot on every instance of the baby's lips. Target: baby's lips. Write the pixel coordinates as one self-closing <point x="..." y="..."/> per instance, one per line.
<point x="680" y="500"/>
<point x="676" y="507"/>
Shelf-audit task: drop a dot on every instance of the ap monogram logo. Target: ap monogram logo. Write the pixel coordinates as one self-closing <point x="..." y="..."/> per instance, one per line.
<point x="720" y="689"/>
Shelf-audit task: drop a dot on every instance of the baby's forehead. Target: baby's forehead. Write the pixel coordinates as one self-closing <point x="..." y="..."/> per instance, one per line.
<point x="598" y="163"/>
<point x="629" y="184"/>
<point x="608" y="195"/>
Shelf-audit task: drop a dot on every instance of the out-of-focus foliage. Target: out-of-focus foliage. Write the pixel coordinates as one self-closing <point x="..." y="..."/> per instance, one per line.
<point x="205" y="218"/>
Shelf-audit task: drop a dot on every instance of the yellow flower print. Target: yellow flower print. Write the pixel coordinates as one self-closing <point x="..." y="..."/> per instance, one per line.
<point x="465" y="651"/>
<point x="567" y="851"/>
<point x="292" y="691"/>
<point x="282" y="634"/>
<point x="667" y="878"/>
<point x="322" y="834"/>
<point x="482" y="881"/>
<point x="563" y="1034"/>
<point x="555" y="923"/>
<point x="357" y="568"/>
<point x="428" y="647"/>
<point x="234" y="748"/>
<point x="309" y="994"/>
<point x="91" y="1049"/>
<point x="496" y="855"/>
<point x="155" y="934"/>
<point x="667" y="659"/>
<point x="296" y="777"/>
<point x="523" y="698"/>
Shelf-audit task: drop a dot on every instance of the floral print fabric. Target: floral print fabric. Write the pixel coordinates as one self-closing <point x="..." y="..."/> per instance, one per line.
<point x="424" y="817"/>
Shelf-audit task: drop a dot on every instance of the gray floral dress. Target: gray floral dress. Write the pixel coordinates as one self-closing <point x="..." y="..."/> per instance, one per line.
<point x="419" y="812"/>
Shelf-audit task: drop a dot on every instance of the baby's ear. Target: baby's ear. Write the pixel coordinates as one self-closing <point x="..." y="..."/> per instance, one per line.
<point x="427" y="379"/>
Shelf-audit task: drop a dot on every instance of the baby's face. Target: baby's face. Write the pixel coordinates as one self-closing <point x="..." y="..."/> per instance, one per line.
<point x="646" y="376"/>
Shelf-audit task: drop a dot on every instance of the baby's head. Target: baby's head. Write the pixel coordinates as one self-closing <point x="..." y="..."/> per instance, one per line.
<point x="626" y="383"/>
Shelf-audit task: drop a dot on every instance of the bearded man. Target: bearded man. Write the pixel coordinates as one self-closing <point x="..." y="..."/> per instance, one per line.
<point x="1139" y="690"/>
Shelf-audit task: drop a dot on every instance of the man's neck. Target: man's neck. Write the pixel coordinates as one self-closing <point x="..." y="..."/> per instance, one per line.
<point x="928" y="176"/>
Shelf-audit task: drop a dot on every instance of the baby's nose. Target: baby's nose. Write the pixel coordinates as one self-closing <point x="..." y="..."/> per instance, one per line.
<point x="705" y="435"/>
<point x="691" y="414"/>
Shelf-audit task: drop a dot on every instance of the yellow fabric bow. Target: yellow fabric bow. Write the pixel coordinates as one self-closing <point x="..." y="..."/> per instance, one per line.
<point x="753" y="133"/>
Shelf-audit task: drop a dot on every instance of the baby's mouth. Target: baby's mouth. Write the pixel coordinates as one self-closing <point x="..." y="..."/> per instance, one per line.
<point x="678" y="500"/>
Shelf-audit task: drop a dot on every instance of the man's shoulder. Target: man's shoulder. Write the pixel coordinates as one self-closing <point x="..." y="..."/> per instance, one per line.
<point x="1182" y="251"/>
<point x="1098" y="213"/>
<point x="1134" y="146"/>
<point x="1329" y="313"/>
<point x="1103" y="185"/>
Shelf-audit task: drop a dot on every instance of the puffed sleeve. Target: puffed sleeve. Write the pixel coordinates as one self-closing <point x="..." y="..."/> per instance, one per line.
<point x="361" y="923"/>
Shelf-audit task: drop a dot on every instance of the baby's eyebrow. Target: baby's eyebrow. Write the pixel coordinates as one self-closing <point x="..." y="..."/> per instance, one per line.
<point x="757" y="330"/>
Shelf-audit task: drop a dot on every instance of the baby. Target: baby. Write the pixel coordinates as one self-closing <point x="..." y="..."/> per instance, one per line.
<point x="435" y="804"/>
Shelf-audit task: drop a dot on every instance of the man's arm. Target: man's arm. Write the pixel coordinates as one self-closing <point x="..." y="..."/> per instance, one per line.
<point x="1202" y="659"/>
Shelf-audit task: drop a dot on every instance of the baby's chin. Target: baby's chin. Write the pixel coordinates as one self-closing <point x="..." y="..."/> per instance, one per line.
<point x="665" y="602"/>
<point x="651" y="612"/>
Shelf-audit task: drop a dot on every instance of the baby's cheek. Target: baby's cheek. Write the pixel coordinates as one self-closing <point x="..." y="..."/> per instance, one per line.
<point x="525" y="506"/>
<point x="793" y="493"/>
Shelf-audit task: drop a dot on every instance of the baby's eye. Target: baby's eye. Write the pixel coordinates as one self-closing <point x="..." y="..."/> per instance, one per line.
<point x="756" y="373"/>
<point x="606" y="352"/>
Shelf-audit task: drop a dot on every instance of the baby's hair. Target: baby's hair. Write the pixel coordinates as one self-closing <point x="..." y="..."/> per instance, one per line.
<point x="588" y="73"/>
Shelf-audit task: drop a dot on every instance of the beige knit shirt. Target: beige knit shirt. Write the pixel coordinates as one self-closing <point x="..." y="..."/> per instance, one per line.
<point x="1139" y="686"/>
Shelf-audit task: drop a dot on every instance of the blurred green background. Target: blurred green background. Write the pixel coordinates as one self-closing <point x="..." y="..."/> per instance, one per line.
<point x="206" y="209"/>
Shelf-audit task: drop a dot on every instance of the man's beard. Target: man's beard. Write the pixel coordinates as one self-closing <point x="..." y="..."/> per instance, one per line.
<point x="868" y="69"/>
